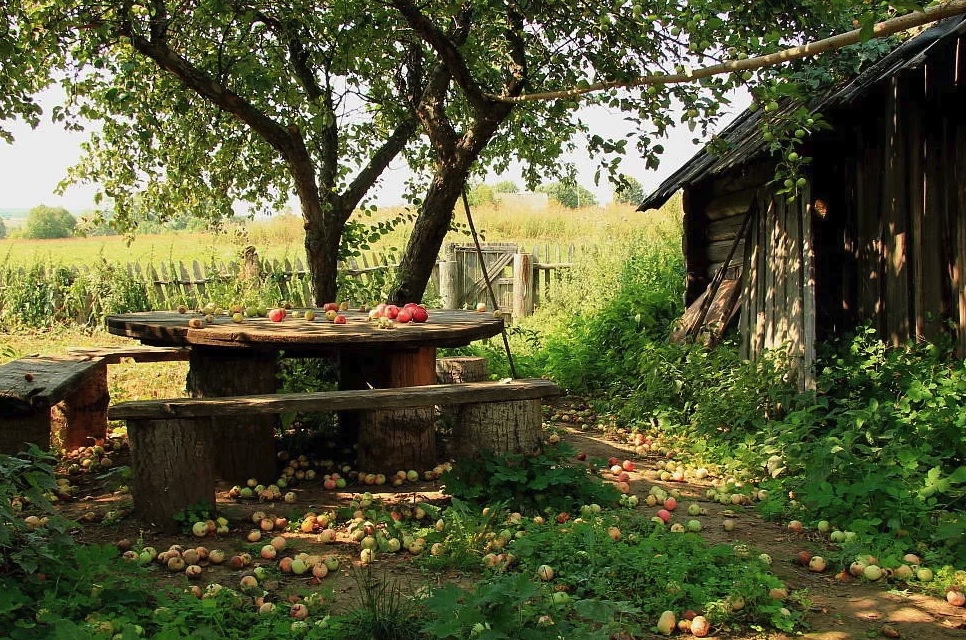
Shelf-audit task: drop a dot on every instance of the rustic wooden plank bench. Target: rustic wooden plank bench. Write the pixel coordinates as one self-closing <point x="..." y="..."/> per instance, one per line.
<point x="171" y="456"/>
<point x="61" y="401"/>
<point x="52" y="402"/>
<point x="135" y="353"/>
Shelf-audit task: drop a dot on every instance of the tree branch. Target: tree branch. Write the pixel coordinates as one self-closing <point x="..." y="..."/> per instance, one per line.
<point x="447" y="47"/>
<point x="395" y="143"/>
<point x="880" y="30"/>
<point x="209" y="88"/>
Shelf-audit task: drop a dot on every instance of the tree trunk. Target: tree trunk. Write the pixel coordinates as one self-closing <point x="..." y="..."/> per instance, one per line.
<point x="436" y="213"/>
<point x="429" y="231"/>
<point x="243" y="448"/>
<point x="171" y="469"/>
<point x="324" y="223"/>
<point x="461" y="369"/>
<point x="391" y="440"/>
<point x="497" y="427"/>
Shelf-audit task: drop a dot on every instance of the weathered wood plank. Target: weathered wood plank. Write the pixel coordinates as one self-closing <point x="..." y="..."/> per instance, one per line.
<point x="348" y="400"/>
<point x="809" y="305"/>
<point x="894" y="214"/>
<point x="723" y="229"/>
<point x="113" y="355"/>
<point x="732" y="204"/>
<point x="29" y="384"/>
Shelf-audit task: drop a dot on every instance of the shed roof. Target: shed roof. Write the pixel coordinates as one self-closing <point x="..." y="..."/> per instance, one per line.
<point x="743" y="137"/>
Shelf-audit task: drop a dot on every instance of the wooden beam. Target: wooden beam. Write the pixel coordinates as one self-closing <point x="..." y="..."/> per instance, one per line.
<point x="348" y="400"/>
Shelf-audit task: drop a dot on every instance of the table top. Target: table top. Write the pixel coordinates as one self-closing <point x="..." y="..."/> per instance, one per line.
<point x="445" y="328"/>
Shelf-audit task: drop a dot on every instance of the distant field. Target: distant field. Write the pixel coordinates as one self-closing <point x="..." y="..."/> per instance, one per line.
<point x="282" y="236"/>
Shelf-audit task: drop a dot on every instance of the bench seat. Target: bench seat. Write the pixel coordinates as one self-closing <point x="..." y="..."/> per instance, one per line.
<point x="136" y="353"/>
<point x="52" y="402"/>
<point x="171" y="448"/>
<point x="350" y="400"/>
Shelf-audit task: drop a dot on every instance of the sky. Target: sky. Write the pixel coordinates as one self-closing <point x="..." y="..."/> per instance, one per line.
<point x="37" y="161"/>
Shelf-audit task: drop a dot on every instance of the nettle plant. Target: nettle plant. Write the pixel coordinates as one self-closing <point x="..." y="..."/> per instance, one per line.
<point x="32" y="535"/>
<point x="545" y="483"/>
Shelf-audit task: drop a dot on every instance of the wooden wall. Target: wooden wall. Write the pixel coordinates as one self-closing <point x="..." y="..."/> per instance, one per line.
<point x="877" y="236"/>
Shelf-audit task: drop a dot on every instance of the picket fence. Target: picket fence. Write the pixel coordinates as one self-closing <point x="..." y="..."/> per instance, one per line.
<point x="521" y="279"/>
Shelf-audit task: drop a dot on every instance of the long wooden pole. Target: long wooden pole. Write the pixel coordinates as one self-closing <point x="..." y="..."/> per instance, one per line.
<point x="879" y="30"/>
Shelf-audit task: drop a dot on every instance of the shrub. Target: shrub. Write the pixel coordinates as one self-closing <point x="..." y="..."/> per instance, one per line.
<point x="44" y="223"/>
<point x="569" y="194"/>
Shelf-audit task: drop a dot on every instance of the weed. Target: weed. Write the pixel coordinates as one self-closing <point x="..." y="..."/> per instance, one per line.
<point x="384" y="612"/>
<point x="547" y="482"/>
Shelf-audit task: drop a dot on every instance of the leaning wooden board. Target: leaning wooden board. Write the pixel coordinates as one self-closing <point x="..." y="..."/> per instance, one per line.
<point x="445" y="328"/>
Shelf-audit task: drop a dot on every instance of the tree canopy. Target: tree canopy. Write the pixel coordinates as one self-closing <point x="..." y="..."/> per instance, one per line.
<point x="569" y="194"/>
<point x="221" y="101"/>
<point x="46" y="223"/>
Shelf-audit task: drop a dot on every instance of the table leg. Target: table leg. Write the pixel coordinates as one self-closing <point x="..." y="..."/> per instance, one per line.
<point x="242" y="447"/>
<point x="390" y="440"/>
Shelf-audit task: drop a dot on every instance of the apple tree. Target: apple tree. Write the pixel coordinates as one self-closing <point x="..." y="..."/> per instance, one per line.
<point x="202" y="105"/>
<point x="206" y="103"/>
<point x="499" y="53"/>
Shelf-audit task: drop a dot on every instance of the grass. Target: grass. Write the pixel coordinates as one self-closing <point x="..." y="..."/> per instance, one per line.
<point x="282" y="236"/>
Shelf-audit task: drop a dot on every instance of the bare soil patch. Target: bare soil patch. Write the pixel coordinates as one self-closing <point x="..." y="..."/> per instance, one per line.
<point x="836" y="610"/>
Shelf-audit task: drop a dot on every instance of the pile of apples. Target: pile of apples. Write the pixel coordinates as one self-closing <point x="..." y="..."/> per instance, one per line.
<point x="409" y="312"/>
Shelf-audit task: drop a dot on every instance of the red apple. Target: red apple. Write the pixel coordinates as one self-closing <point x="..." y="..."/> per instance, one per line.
<point x="330" y="306"/>
<point x="404" y="316"/>
<point x="379" y="311"/>
<point x="420" y="314"/>
<point x="562" y="517"/>
<point x="339" y="319"/>
<point x="392" y="311"/>
<point x="276" y="315"/>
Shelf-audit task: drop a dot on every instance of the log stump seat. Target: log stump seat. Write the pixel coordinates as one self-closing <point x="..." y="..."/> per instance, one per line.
<point x="173" y="445"/>
<point x="61" y="402"/>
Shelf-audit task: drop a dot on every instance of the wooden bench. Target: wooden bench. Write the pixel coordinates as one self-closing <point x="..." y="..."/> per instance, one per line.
<point x="171" y="451"/>
<point x="52" y="402"/>
<point x="135" y="353"/>
<point x="61" y="401"/>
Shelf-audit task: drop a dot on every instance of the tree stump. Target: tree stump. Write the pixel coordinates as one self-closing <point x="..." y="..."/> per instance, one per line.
<point x="514" y="426"/>
<point x="390" y="440"/>
<point x="80" y="419"/>
<point x="461" y="369"/>
<point x="242" y="447"/>
<point x="171" y="467"/>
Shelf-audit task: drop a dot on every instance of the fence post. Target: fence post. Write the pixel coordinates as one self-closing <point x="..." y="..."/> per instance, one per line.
<point x="450" y="280"/>
<point x="522" y="285"/>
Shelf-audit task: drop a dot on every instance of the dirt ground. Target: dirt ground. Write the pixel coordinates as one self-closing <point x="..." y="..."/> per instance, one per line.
<point x="837" y="610"/>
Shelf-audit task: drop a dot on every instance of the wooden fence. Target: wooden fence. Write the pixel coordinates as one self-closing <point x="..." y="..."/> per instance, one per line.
<point x="521" y="279"/>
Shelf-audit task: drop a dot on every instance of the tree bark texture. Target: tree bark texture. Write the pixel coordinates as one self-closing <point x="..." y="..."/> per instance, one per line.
<point x="171" y="464"/>
<point x="390" y="440"/>
<point x="498" y="427"/>
<point x="461" y="369"/>
<point x="243" y="447"/>
<point x="81" y="418"/>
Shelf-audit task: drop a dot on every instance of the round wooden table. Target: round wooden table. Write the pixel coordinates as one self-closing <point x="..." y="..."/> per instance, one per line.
<point x="229" y="358"/>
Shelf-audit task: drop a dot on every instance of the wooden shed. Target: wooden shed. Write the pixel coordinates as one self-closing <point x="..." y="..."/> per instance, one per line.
<point x="878" y="233"/>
